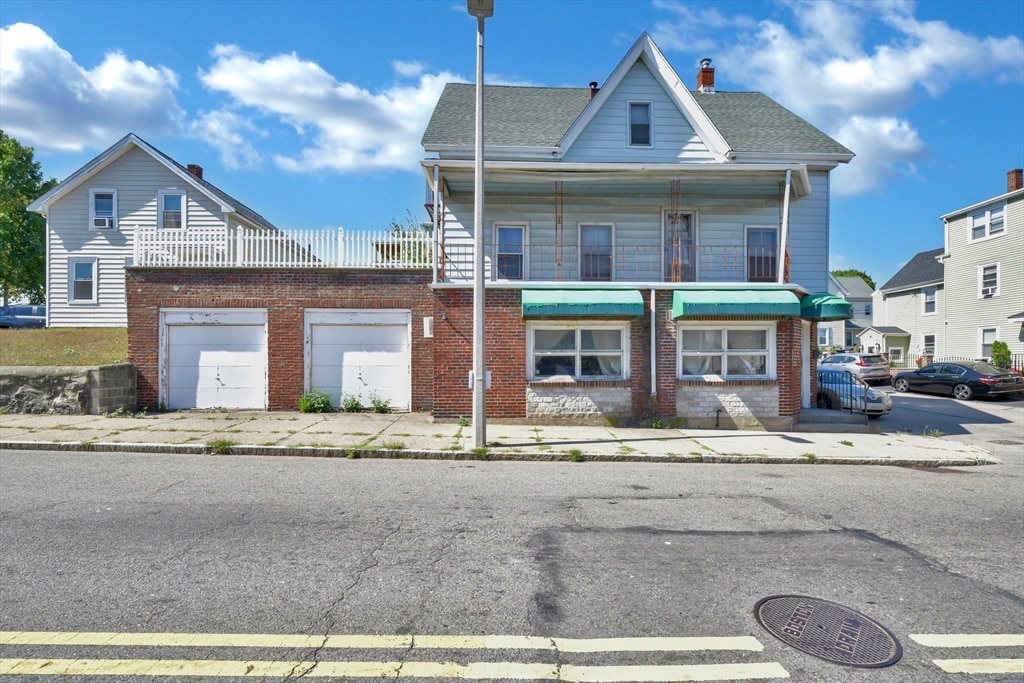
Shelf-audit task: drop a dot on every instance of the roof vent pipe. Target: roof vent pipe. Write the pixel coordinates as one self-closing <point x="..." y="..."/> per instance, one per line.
<point x="706" y="76"/>
<point x="196" y="170"/>
<point x="593" y="89"/>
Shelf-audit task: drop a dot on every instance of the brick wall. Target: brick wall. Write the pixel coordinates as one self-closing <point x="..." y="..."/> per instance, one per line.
<point x="285" y="294"/>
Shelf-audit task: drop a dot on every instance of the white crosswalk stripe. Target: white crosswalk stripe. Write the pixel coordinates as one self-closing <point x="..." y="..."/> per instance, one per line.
<point x="1002" y="665"/>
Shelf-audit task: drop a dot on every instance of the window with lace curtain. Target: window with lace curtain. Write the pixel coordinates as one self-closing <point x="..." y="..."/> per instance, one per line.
<point x="580" y="351"/>
<point x="728" y="351"/>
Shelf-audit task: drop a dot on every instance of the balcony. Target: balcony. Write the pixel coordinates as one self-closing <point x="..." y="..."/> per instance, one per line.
<point x="639" y="263"/>
<point x="246" y="248"/>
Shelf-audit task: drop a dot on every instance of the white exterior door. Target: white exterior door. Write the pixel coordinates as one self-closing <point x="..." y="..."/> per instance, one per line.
<point x="214" y="359"/>
<point x="364" y="354"/>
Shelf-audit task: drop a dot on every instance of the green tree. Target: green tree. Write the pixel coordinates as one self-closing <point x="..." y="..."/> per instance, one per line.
<point x="22" y="234"/>
<point x="1001" y="357"/>
<point x="859" y="273"/>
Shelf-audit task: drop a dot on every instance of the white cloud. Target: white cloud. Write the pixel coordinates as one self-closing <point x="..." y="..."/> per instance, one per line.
<point x="225" y="130"/>
<point x="827" y="70"/>
<point x="50" y="102"/>
<point x="347" y="128"/>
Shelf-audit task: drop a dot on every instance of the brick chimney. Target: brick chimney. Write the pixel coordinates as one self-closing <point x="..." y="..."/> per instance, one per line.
<point x="1015" y="179"/>
<point x="593" y="89"/>
<point x="196" y="170"/>
<point x="706" y="76"/>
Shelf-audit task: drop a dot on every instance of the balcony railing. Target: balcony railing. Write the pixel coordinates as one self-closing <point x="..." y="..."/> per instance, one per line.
<point x="720" y="263"/>
<point x="245" y="248"/>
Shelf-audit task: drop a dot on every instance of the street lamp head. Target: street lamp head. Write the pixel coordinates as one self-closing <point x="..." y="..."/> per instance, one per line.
<point x="481" y="9"/>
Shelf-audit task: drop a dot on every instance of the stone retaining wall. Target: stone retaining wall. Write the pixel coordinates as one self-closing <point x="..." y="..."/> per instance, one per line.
<point x="68" y="390"/>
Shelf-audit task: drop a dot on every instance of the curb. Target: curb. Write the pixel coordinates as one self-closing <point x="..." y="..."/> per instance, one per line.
<point x="490" y="456"/>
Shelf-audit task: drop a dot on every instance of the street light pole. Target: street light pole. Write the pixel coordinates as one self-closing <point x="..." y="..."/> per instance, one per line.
<point x="481" y="9"/>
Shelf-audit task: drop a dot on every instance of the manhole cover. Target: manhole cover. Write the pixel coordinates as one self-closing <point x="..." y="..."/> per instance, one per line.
<point x="828" y="630"/>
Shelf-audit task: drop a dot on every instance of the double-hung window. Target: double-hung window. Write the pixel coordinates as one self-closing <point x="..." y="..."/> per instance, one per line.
<point x="82" y="280"/>
<point x="986" y="336"/>
<point x="511" y="252"/>
<point x="103" y="209"/>
<point x="595" y="252"/>
<point x="580" y="351"/>
<point x="928" y="307"/>
<point x="727" y="351"/>
<point x="988" y="280"/>
<point x="171" y="206"/>
<point x="988" y="223"/>
<point x="640" y="133"/>
<point x="762" y="254"/>
<point x="928" y="345"/>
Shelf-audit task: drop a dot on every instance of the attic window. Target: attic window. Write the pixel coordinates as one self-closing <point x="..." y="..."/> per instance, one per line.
<point x="640" y="124"/>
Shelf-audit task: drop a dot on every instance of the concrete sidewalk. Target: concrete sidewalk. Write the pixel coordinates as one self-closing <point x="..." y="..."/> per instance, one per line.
<point x="416" y="435"/>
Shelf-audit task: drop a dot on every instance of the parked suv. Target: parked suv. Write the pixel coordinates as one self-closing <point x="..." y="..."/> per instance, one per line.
<point x="870" y="367"/>
<point x="23" y="316"/>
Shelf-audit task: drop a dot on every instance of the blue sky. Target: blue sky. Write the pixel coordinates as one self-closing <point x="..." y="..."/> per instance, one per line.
<point x="312" y="112"/>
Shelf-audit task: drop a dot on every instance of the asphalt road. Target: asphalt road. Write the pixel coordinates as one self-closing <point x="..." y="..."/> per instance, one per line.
<point x="571" y="554"/>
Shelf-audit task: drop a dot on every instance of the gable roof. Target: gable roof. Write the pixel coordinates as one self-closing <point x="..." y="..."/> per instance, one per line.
<point x="551" y="112"/>
<point x="855" y="286"/>
<point x="747" y="123"/>
<point x="129" y="142"/>
<point x="921" y="270"/>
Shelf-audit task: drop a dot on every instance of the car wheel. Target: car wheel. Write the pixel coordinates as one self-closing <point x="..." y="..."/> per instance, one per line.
<point x="962" y="392"/>
<point x="824" y="401"/>
<point x="901" y="385"/>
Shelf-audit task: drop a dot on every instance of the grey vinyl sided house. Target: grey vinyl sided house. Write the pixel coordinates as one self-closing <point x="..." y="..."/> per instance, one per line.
<point x="650" y="250"/>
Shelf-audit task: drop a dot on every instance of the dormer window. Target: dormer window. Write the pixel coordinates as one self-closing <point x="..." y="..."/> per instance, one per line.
<point x="640" y="124"/>
<point x="102" y="209"/>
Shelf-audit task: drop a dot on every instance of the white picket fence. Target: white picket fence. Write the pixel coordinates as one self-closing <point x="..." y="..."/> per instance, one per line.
<point x="247" y="248"/>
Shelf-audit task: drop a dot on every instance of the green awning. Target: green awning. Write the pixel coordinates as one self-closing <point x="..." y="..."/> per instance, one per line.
<point x="825" y="307"/>
<point x="582" y="302"/>
<point x="734" y="302"/>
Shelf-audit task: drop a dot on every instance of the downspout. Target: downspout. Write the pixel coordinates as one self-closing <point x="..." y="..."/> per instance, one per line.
<point x="654" y="347"/>
<point x="784" y="237"/>
<point x="437" y="203"/>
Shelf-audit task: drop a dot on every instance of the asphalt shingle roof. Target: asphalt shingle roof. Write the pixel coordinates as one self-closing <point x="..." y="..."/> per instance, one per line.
<point x="753" y="122"/>
<point x="538" y="117"/>
<point x="516" y="116"/>
<point x="855" y="286"/>
<point x="921" y="270"/>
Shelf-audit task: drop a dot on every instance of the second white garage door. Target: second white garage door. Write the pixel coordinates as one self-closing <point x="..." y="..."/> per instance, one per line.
<point x="360" y="353"/>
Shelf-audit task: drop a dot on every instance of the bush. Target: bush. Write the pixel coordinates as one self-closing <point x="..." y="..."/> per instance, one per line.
<point x="351" y="403"/>
<point x="315" y="401"/>
<point x="1000" y="354"/>
<point x="380" y="405"/>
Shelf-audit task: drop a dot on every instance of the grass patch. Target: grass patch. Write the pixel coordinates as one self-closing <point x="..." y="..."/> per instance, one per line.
<point x="810" y="456"/>
<point x="480" y="453"/>
<point x="393" y="446"/>
<point x="845" y="442"/>
<point x="77" y="346"/>
<point x="575" y="455"/>
<point x="928" y="431"/>
<point x="220" y="446"/>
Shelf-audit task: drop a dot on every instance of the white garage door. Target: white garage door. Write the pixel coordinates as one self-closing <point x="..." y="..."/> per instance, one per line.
<point x="216" y="361"/>
<point x="360" y="354"/>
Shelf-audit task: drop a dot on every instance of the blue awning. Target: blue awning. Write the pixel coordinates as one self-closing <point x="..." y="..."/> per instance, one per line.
<point x="582" y="302"/>
<point x="734" y="302"/>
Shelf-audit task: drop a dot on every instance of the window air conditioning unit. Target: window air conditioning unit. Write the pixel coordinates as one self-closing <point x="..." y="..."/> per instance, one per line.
<point x="102" y="223"/>
<point x="988" y="291"/>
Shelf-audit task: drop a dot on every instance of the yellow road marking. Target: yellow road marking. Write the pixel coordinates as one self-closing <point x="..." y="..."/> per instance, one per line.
<point x="371" y="642"/>
<point x="981" y="666"/>
<point x="472" y="671"/>
<point x="969" y="639"/>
